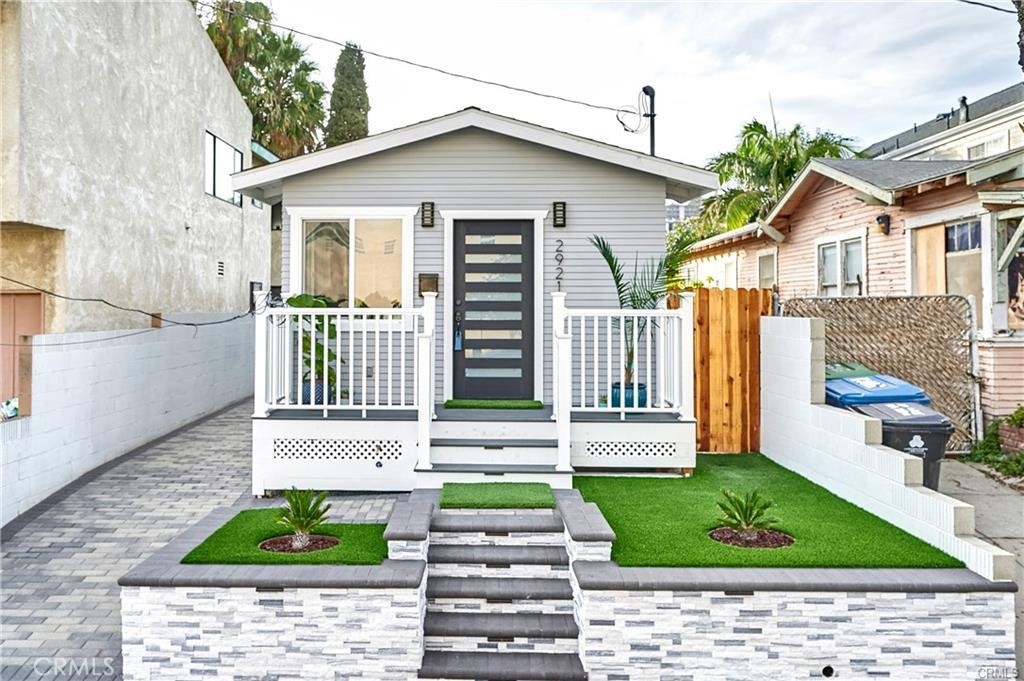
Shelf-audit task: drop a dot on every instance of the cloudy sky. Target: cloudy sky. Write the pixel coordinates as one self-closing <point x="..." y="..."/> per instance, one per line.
<point x="863" y="69"/>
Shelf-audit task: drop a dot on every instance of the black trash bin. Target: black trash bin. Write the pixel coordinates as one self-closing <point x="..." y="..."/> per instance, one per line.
<point x="915" y="429"/>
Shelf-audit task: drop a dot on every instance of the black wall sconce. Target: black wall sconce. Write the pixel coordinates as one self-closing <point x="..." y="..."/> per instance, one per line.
<point x="884" y="222"/>
<point x="558" y="214"/>
<point x="427" y="283"/>
<point x="427" y="214"/>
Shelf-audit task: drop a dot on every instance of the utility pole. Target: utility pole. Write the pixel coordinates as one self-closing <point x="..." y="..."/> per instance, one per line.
<point x="649" y="91"/>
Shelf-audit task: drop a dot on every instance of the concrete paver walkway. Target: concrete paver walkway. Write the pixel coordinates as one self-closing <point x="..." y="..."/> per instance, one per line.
<point x="61" y="615"/>
<point x="999" y="519"/>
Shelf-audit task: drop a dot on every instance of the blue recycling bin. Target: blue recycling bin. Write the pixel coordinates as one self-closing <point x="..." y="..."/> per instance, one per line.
<point x="875" y="389"/>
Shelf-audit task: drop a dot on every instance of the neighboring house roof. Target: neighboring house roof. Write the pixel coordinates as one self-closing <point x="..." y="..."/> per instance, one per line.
<point x="683" y="182"/>
<point x="885" y="180"/>
<point x="748" y="231"/>
<point x="971" y="112"/>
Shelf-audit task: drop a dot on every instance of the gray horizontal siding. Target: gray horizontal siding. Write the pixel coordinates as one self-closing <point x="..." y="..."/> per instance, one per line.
<point x="475" y="169"/>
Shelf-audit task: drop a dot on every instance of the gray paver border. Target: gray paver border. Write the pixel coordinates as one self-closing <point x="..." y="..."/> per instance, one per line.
<point x="608" y="576"/>
<point x="12" y="528"/>
<point x="165" y="569"/>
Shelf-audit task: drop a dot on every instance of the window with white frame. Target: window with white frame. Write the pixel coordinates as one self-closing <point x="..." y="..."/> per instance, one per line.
<point x="766" y="269"/>
<point x="963" y="259"/>
<point x="355" y="262"/>
<point x="222" y="160"/>
<point x="841" y="267"/>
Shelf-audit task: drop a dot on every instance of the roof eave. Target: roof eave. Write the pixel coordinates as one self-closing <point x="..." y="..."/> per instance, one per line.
<point x="681" y="180"/>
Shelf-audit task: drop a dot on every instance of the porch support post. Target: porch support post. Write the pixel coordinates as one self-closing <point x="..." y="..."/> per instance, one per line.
<point x="260" y="365"/>
<point x="562" y="380"/>
<point x="684" y="367"/>
<point x="425" y="379"/>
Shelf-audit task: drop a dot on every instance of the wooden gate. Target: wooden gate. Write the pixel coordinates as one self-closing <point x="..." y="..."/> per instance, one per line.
<point x="727" y="367"/>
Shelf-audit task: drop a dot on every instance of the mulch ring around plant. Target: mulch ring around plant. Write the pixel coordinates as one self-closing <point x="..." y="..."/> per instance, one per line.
<point x="317" y="542"/>
<point x="764" y="539"/>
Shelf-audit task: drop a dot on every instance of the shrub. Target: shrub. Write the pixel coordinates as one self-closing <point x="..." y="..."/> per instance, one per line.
<point x="1016" y="419"/>
<point x="303" y="512"/>
<point x="747" y="514"/>
<point x="989" y="450"/>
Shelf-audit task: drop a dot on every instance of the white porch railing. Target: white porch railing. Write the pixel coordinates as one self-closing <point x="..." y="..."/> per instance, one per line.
<point x="622" y="361"/>
<point x="338" y="359"/>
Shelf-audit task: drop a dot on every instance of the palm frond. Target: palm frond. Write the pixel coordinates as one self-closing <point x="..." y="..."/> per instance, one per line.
<point x="615" y="267"/>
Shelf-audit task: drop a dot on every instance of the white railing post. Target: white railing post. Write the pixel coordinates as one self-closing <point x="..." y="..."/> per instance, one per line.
<point x="562" y="380"/>
<point x="686" y="359"/>
<point x="425" y="379"/>
<point x="261" y="367"/>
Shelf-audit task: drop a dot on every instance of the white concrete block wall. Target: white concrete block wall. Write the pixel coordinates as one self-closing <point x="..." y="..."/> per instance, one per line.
<point x="92" y="402"/>
<point x="841" y="450"/>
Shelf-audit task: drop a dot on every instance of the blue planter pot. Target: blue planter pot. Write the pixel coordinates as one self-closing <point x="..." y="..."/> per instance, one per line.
<point x="318" y="393"/>
<point x="617" y="395"/>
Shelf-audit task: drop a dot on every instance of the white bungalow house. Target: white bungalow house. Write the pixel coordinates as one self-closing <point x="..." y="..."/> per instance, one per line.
<point x="457" y="250"/>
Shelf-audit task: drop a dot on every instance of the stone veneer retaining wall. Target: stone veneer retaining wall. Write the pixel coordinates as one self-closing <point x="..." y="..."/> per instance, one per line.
<point x="646" y="624"/>
<point x="264" y="621"/>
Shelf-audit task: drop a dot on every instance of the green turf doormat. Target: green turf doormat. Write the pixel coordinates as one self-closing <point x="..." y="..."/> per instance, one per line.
<point x="493" y="404"/>
<point x="497" y="495"/>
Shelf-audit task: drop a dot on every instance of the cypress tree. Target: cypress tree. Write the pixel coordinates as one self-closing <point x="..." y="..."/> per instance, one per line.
<point x="350" y="105"/>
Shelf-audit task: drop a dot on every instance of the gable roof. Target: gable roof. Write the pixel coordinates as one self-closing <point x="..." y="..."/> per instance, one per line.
<point x="683" y="182"/>
<point x="884" y="179"/>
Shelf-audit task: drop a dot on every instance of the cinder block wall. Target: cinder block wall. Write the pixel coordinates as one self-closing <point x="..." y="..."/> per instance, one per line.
<point x="842" y="451"/>
<point x="92" y="402"/>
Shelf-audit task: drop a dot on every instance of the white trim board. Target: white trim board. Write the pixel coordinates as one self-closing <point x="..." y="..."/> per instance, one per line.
<point x="684" y="181"/>
<point x="448" y="219"/>
<point x="297" y="214"/>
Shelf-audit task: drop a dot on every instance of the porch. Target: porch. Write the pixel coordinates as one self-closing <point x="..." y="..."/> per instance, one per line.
<point x="351" y="399"/>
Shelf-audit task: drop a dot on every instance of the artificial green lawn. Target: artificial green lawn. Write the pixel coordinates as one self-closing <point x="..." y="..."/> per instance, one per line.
<point x="497" y="495"/>
<point x="493" y="404"/>
<point x="664" y="521"/>
<point x="237" y="543"/>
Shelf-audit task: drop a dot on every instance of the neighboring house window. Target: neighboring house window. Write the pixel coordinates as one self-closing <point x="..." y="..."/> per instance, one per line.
<point x="766" y="270"/>
<point x="222" y="160"/>
<point x="963" y="259"/>
<point x="841" y="268"/>
<point x="369" y="275"/>
<point x="975" y="152"/>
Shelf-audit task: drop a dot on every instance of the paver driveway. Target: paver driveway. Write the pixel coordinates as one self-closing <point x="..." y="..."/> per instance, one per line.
<point x="60" y="600"/>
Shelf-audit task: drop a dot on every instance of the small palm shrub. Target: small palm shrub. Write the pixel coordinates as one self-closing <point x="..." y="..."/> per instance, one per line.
<point x="303" y="512"/>
<point x="747" y="514"/>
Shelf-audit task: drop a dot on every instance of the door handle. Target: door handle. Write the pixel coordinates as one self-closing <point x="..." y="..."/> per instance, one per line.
<point x="457" y="337"/>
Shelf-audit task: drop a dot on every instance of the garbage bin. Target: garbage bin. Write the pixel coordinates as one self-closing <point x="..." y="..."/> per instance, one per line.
<point x="847" y="370"/>
<point x="916" y="429"/>
<point x="871" y="389"/>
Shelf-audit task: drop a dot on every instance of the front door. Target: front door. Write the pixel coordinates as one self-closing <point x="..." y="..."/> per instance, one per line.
<point x="493" y="309"/>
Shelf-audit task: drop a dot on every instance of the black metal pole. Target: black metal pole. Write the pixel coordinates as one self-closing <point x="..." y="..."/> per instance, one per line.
<point x="649" y="91"/>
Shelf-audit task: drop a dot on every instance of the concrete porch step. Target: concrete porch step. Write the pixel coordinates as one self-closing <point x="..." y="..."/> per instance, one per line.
<point x="497" y="561"/>
<point x="492" y="625"/>
<point x="502" y="666"/>
<point x="499" y="589"/>
<point x="522" y="451"/>
<point x="496" y="523"/>
<point x="438" y="474"/>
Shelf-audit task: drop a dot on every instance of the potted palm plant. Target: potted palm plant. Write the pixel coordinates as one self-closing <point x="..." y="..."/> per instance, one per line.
<point x="318" y="356"/>
<point x="644" y="291"/>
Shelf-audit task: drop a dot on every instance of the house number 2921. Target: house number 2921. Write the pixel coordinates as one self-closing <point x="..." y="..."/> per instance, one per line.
<point x="559" y="259"/>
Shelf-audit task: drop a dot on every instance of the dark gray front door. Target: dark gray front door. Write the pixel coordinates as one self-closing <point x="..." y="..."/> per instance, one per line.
<point x="493" y="306"/>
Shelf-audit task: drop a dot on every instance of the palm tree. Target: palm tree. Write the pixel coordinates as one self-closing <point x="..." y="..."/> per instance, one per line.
<point x="643" y="292"/>
<point x="759" y="171"/>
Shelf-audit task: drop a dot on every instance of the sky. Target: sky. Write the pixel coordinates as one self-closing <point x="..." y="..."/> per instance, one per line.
<point x="865" y="70"/>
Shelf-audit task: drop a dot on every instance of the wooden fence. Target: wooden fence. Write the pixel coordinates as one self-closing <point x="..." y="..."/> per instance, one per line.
<point x="727" y="366"/>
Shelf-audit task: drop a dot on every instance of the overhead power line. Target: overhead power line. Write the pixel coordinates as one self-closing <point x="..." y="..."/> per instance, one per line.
<point x="986" y="5"/>
<point x="103" y="301"/>
<point x="409" y="62"/>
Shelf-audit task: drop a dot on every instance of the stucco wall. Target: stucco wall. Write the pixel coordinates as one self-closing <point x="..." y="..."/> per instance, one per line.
<point x="92" y="402"/>
<point x="479" y="170"/>
<point x="112" y="103"/>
